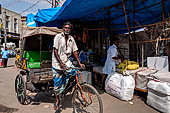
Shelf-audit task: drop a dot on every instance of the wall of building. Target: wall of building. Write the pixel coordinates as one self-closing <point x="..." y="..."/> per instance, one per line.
<point x="11" y="21"/>
<point x="23" y="22"/>
<point x="12" y="16"/>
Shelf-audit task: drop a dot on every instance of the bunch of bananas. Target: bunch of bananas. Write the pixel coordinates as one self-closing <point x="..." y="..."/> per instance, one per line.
<point x="128" y="65"/>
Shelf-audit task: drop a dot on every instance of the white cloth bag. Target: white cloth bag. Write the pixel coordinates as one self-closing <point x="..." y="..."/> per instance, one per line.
<point x="120" y="86"/>
<point x="159" y="96"/>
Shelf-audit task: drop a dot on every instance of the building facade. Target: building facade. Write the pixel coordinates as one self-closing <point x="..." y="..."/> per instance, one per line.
<point x="10" y="26"/>
<point x="23" y="22"/>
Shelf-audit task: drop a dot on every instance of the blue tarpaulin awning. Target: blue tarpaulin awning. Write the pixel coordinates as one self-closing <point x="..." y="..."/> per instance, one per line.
<point x="30" y="20"/>
<point x="45" y="15"/>
<point x="146" y="12"/>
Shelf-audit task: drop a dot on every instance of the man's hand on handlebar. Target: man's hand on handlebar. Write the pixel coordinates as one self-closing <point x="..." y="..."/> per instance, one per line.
<point x="82" y="65"/>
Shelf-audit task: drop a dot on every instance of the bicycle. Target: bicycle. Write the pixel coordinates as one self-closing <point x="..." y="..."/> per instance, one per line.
<point x="84" y="96"/>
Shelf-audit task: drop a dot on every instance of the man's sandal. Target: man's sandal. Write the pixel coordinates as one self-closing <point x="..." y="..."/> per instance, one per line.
<point x="56" y="106"/>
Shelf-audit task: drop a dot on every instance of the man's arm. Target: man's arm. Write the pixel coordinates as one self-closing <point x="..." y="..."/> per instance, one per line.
<point x="2" y="52"/>
<point x="75" y="53"/>
<point x="58" y="58"/>
<point x="115" y="58"/>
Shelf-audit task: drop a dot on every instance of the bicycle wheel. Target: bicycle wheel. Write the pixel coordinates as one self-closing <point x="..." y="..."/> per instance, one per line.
<point x="94" y="102"/>
<point x="20" y="88"/>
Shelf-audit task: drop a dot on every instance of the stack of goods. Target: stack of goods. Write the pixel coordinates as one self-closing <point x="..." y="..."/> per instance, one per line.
<point x="120" y="86"/>
<point x="141" y="76"/>
<point x="159" y="92"/>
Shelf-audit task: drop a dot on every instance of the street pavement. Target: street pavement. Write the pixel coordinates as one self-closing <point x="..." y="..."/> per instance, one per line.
<point x="43" y="104"/>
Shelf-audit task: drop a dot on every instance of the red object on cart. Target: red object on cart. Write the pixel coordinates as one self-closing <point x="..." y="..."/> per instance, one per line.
<point x="1" y="62"/>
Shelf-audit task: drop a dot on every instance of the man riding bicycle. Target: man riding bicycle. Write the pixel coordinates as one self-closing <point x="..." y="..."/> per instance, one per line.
<point x="63" y="47"/>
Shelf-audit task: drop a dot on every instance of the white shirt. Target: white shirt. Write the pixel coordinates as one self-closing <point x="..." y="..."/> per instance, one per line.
<point x="63" y="52"/>
<point x="110" y="64"/>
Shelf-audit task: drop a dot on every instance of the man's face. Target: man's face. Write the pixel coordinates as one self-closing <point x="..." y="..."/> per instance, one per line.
<point x="67" y="29"/>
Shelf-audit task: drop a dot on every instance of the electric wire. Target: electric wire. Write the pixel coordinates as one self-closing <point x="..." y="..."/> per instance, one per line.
<point x="31" y="6"/>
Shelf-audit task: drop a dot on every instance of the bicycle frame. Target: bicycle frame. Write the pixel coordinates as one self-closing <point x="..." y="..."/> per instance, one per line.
<point x="75" y="83"/>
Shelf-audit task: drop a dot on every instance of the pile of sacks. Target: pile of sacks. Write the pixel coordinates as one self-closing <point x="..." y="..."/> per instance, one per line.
<point x="159" y="92"/>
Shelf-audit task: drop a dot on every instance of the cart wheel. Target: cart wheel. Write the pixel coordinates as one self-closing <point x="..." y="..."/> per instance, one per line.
<point x="20" y="88"/>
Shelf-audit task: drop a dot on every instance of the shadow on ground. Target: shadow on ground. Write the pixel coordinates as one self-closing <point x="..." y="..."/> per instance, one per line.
<point x="4" y="109"/>
<point x="45" y="97"/>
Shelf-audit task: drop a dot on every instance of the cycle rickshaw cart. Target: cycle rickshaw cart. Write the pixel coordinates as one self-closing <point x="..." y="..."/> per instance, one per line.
<point x="35" y="74"/>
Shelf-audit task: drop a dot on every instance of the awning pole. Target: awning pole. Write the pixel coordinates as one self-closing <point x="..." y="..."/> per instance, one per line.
<point x="126" y="19"/>
<point x="142" y="55"/>
<point x="163" y="10"/>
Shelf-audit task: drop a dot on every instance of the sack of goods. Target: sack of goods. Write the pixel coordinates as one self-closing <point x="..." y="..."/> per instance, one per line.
<point x="120" y="86"/>
<point x="127" y="65"/>
<point x="159" y="92"/>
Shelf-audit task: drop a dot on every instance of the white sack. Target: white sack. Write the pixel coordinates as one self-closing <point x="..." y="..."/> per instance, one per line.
<point x="162" y="76"/>
<point x="159" y="96"/>
<point x="141" y="76"/>
<point x="120" y="86"/>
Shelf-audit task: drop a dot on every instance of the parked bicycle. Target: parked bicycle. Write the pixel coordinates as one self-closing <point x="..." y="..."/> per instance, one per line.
<point x="85" y="97"/>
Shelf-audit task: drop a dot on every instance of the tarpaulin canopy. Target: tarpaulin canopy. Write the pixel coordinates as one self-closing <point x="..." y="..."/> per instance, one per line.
<point x="31" y="31"/>
<point x="30" y="20"/>
<point x="45" y="15"/>
<point x="141" y="11"/>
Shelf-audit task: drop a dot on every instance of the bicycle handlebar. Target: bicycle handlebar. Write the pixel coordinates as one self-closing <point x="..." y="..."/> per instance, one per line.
<point x="66" y="71"/>
<point x="77" y="68"/>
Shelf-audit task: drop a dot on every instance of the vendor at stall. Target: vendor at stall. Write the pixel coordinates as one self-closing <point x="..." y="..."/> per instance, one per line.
<point x="112" y="57"/>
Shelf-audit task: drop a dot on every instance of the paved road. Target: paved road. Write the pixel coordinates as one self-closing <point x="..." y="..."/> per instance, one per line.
<point x="42" y="104"/>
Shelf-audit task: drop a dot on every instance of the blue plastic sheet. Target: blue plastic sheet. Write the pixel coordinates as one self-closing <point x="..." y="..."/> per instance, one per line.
<point x="45" y="15"/>
<point x="30" y="20"/>
<point x="146" y="12"/>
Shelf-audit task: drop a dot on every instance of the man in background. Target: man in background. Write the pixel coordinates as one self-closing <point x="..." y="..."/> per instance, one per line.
<point x="5" y="54"/>
<point x="112" y="57"/>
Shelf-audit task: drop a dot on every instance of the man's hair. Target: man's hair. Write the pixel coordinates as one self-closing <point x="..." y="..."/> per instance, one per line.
<point x="67" y="23"/>
<point x="113" y="39"/>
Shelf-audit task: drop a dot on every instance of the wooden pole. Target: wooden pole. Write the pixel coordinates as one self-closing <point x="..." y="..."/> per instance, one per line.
<point x="134" y="35"/>
<point x="134" y="6"/>
<point x="147" y="41"/>
<point x="55" y="3"/>
<point x="130" y="37"/>
<point x="52" y="4"/>
<point x="98" y="33"/>
<point x="142" y="55"/>
<point x="163" y="10"/>
<point x="108" y="21"/>
<point x="126" y="19"/>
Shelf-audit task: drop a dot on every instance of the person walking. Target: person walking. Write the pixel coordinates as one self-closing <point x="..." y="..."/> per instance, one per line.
<point x="5" y="54"/>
